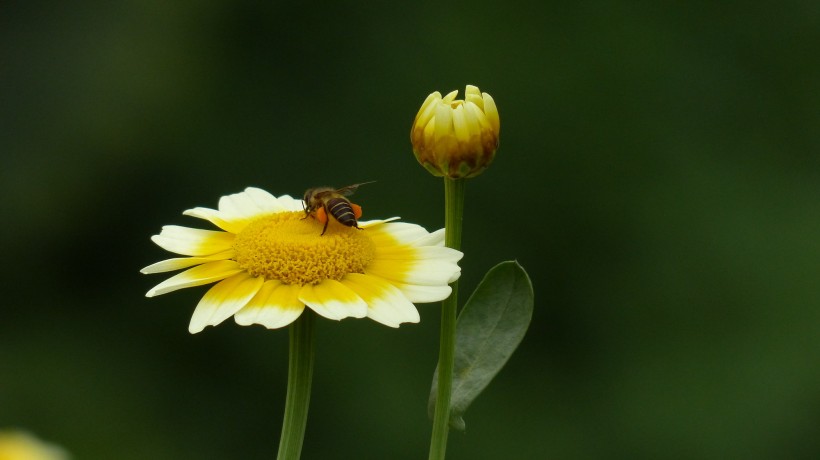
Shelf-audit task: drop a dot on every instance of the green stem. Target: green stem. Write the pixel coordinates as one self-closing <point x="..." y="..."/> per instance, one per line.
<point x="300" y="376"/>
<point x="454" y="211"/>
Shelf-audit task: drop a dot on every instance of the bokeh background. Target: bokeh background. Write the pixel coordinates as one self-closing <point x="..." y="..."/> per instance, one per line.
<point x="658" y="177"/>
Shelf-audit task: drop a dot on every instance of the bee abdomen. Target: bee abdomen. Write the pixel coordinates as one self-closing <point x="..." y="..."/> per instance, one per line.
<point x="341" y="210"/>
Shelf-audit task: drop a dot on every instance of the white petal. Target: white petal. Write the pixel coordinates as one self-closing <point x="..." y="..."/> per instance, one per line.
<point x="223" y="300"/>
<point x="373" y="223"/>
<point x="424" y="272"/>
<point x="433" y="239"/>
<point x="217" y="218"/>
<point x="455" y="276"/>
<point x="253" y="202"/>
<point x="193" y="241"/>
<point x="414" y="253"/>
<point x="385" y="303"/>
<point x="423" y="294"/>
<point x="197" y="276"/>
<point x="394" y="233"/>
<point x="333" y="300"/>
<point x="264" y="200"/>
<point x="275" y="305"/>
<point x="289" y="203"/>
<point x="185" y="262"/>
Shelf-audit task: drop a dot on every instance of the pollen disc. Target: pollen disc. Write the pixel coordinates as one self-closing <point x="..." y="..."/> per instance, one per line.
<point x="289" y="248"/>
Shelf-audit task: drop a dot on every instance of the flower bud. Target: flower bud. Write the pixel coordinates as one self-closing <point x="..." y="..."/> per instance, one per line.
<point x="456" y="138"/>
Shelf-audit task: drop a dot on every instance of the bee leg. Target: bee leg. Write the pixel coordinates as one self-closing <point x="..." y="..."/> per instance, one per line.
<point x="327" y="218"/>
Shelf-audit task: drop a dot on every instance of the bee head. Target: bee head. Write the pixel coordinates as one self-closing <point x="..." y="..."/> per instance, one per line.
<point x="307" y="198"/>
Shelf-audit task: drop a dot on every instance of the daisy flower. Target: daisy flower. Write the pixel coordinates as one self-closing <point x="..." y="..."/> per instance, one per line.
<point x="270" y="261"/>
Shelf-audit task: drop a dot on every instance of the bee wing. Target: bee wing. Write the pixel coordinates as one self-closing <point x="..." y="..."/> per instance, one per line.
<point x="352" y="188"/>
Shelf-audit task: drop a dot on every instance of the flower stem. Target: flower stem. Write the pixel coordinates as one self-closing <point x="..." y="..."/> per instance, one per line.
<point x="454" y="211"/>
<point x="300" y="376"/>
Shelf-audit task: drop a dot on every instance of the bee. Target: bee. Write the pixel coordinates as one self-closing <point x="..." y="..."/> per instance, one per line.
<point x="333" y="203"/>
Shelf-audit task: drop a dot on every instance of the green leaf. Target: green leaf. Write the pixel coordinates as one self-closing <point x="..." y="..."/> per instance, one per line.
<point x="489" y="329"/>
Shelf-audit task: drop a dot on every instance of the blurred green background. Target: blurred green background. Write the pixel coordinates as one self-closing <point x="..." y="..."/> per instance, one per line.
<point x="658" y="177"/>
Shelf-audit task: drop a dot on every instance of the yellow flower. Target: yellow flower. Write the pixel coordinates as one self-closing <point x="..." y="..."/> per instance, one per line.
<point x="456" y="138"/>
<point x="270" y="262"/>
<point x="18" y="445"/>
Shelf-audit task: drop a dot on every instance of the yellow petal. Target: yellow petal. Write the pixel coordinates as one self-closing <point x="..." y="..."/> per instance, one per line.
<point x="430" y="131"/>
<point x="374" y="223"/>
<point x="223" y="300"/>
<point x="185" y="262"/>
<point x="333" y="300"/>
<point x="274" y="306"/>
<point x="414" y="253"/>
<point x="462" y="131"/>
<point x="476" y="99"/>
<point x="424" y="272"/>
<point x="21" y="445"/>
<point x="396" y="233"/>
<point x="444" y="122"/>
<point x="192" y="241"/>
<point x="491" y="111"/>
<point x="428" y="108"/>
<point x="423" y="294"/>
<point x="217" y="218"/>
<point x="197" y="276"/>
<point x="475" y="117"/>
<point x="385" y="303"/>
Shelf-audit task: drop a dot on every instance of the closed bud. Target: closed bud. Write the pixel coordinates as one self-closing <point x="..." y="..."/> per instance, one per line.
<point x="456" y="138"/>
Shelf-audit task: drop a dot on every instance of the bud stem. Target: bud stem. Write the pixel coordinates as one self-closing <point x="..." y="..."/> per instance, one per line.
<point x="300" y="377"/>
<point x="454" y="211"/>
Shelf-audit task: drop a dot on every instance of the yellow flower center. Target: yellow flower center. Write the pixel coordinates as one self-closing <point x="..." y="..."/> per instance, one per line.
<point x="286" y="247"/>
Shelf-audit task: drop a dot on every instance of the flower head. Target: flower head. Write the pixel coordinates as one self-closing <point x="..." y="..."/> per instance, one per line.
<point x="270" y="261"/>
<point x="456" y="138"/>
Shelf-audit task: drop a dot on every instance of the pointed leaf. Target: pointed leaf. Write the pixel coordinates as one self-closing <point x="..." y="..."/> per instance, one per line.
<point x="489" y="329"/>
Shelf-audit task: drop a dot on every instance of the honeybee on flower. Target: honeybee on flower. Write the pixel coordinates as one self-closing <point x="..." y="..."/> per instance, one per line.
<point x="323" y="202"/>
